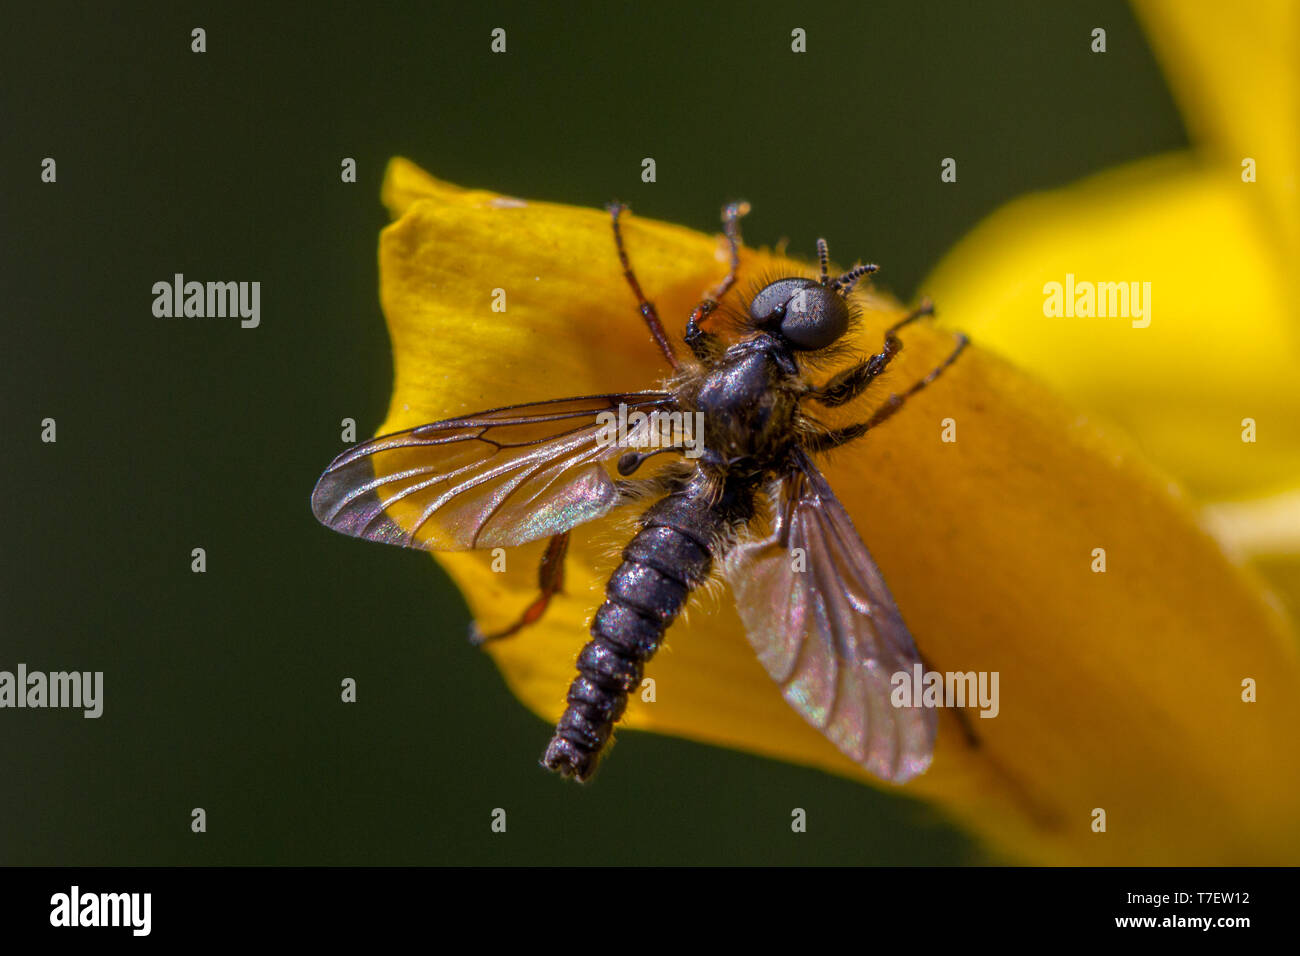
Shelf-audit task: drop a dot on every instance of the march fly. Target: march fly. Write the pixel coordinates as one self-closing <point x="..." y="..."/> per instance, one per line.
<point x="740" y="493"/>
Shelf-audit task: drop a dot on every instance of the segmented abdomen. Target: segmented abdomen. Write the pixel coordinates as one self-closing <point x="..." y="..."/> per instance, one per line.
<point x="667" y="558"/>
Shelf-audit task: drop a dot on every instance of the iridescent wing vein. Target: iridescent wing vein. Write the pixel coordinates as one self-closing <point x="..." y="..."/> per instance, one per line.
<point x="822" y="621"/>
<point x="493" y="479"/>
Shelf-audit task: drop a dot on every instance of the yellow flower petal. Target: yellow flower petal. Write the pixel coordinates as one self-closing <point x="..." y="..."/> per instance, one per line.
<point x="1223" y="343"/>
<point x="1119" y="690"/>
<point x="1235" y="71"/>
<point x="1220" y="255"/>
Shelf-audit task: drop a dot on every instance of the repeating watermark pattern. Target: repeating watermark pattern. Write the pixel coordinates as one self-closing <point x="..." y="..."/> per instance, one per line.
<point x="922" y="688"/>
<point x="74" y="908"/>
<point x="74" y="690"/>
<point x="657" y="430"/>
<point x="199" y="300"/>
<point x="1102" y="300"/>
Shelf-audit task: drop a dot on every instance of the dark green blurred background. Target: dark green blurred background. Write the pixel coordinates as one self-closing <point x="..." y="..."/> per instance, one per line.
<point x="222" y="689"/>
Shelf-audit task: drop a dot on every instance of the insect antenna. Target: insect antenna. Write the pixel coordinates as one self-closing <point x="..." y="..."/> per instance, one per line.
<point x="844" y="283"/>
<point x="848" y="280"/>
<point x="824" y="257"/>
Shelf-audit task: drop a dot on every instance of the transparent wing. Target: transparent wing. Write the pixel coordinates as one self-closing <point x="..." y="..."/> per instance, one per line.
<point x="494" y="479"/>
<point x="823" y="623"/>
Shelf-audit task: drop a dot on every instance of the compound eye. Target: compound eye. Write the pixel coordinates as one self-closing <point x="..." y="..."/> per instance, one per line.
<point x="805" y="313"/>
<point x="814" y="318"/>
<point x="771" y="305"/>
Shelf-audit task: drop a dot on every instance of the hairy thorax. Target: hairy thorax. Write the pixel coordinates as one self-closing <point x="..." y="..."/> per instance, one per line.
<point x="748" y="408"/>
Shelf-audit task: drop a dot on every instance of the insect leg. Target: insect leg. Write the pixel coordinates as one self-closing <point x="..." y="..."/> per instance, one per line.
<point x="850" y="383"/>
<point x="646" y="308"/>
<point x="833" y="437"/>
<point x="704" y="344"/>
<point x="551" y="580"/>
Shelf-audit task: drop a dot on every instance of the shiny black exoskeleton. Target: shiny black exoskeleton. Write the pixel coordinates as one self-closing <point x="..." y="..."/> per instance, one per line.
<point x="508" y="476"/>
<point x="749" y="394"/>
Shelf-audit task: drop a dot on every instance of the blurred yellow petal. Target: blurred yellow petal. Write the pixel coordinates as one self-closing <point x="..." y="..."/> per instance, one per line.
<point x="1260" y="527"/>
<point x="1218" y="361"/>
<point x="1266" y="532"/>
<point x="1119" y="690"/>
<point x="1220" y="254"/>
<point x="1235" y="71"/>
<point x="1223" y="343"/>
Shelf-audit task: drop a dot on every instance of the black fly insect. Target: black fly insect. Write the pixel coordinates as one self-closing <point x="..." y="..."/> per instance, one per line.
<point x="813" y="603"/>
